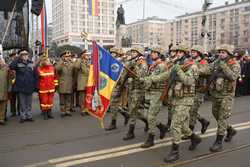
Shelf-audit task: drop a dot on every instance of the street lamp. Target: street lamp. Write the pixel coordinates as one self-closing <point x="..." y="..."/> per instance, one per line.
<point x="205" y="34"/>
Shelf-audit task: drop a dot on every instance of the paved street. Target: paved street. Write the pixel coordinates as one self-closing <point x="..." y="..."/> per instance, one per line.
<point x="80" y="141"/>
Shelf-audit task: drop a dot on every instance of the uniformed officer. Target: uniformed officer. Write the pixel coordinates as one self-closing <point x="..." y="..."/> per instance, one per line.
<point x="65" y="70"/>
<point x="4" y="85"/>
<point x="82" y="72"/>
<point x="224" y="73"/>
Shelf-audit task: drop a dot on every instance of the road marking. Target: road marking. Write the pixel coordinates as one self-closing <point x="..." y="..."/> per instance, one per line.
<point x="127" y="152"/>
<point x="121" y="148"/>
<point x="208" y="156"/>
<point x="119" y="151"/>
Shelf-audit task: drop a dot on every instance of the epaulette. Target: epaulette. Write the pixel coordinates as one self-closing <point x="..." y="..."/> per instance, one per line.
<point x="203" y="62"/>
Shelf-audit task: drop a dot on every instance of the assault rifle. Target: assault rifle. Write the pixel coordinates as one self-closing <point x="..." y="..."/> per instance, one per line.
<point x="172" y="78"/>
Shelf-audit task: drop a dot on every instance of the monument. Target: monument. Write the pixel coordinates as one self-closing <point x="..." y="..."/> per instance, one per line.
<point x="120" y="26"/>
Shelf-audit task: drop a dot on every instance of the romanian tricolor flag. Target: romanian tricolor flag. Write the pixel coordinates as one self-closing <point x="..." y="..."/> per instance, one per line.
<point x="104" y="73"/>
<point x="93" y="7"/>
<point x="44" y="27"/>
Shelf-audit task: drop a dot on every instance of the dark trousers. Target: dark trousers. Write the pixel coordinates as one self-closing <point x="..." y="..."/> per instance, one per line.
<point x="25" y="105"/>
<point x="14" y="103"/>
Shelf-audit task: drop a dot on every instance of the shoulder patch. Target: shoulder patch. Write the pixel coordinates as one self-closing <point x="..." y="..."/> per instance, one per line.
<point x="203" y="62"/>
<point x="232" y="61"/>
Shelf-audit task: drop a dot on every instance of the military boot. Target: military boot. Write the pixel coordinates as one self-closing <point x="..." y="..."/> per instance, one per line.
<point x="49" y="114"/>
<point x="163" y="130"/>
<point x="231" y="132"/>
<point x="112" y="126"/>
<point x="168" y="125"/>
<point x="125" y="116"/>
<point x="217" y="146"/>
<point x="173" y="155"/>
<point x="146" y="124"/>
<point x="204" y="125"/>
<point x="149" y="142"/>
<point x="130" y="135"/>
<point x="195" y="140"/>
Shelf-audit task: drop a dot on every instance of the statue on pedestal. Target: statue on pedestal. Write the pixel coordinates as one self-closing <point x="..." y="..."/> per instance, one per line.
<point x="120" y="17"/>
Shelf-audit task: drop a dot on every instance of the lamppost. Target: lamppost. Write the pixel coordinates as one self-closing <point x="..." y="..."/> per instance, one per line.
<point x="205" y="34"/>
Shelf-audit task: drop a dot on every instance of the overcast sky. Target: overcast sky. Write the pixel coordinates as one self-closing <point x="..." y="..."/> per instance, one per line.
<point x="162" y="8"/>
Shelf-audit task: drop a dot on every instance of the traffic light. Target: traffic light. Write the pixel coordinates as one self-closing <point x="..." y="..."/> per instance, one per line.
<point x="37" y="6"/>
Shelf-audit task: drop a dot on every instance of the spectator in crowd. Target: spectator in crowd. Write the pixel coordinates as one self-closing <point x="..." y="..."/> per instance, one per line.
<point x="25" y="84"/>
<point x="14" y="102"/>
<point x="3" y="89"/>
<point x="243" y="82"/>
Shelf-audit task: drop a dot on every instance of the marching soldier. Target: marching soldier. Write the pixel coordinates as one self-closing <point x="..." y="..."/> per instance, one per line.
<point x="225" y="72"/>
<point x="116" y="102"/>
<point x="167" y="101"/>
<point x="82" y="72"/>
<point x="200" y="87"/>
<point x="138" y="68"/>
<point x="152" y="98"/>
<point x="65" y="70"/>
<point x="181" y="90"/>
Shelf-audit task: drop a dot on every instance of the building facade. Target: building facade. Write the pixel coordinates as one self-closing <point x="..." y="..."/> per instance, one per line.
<point x="71" y="17"/>
<point x="227" y="24"/>
<point x="148" y="32"/>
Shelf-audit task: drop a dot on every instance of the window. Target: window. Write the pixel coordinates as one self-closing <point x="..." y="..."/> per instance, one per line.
<point x="111" y="32"/>
<point x="108" y="41"/>
<point x="247" y="8"/>
<point x="245" y="33"/>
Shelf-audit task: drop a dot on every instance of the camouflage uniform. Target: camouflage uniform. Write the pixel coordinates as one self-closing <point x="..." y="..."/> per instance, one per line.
<point x="153" y="100"/>
<point x="116" y="101"/>
<point x="200" y="88"/>
<point x="136" y="94"/>
<point x="167" y="101"/>
<point x="181" y="93"/>
<point x="222" y="89"/>
<point x="154" y="94"/>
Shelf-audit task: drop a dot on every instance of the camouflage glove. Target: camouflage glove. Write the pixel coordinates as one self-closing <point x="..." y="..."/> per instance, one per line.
<point x="146" y="82"/>
<point x="222" y="65"/>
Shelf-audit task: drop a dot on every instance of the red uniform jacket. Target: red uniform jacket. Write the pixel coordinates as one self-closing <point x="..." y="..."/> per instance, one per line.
<point x="47" y="79"/>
